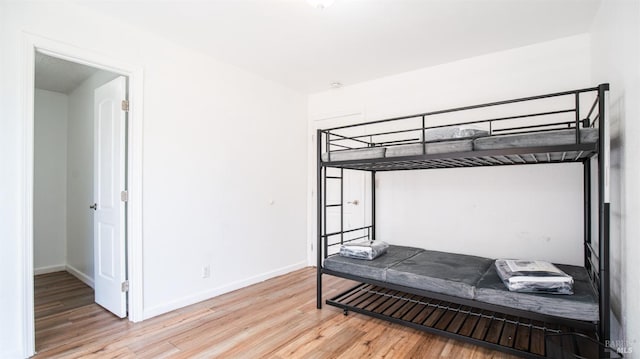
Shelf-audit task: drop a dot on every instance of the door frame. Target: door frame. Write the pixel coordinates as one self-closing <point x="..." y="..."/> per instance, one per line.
<point x="31" y="44"/>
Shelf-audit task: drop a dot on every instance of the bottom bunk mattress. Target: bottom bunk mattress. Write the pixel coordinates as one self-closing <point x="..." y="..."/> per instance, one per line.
<point x="468" y="277"/>
<point x="371" y="269"/>
<point x="440" y="272"/>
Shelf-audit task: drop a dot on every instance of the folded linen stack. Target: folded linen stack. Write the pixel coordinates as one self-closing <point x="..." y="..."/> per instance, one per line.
<point x="364" y="250"/>
<point x="533" y="277"/>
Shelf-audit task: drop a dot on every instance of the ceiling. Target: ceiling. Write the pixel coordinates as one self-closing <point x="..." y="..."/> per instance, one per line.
<point x="59" y="75"/>
<point x="352" y="41"/>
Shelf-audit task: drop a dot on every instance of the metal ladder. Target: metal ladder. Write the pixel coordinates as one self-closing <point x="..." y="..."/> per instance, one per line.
<point x="325" y="205"/>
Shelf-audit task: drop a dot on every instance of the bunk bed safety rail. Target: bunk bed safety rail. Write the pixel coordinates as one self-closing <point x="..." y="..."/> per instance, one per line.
<point x="565" y="113"/>
<point x="357" y="234"/>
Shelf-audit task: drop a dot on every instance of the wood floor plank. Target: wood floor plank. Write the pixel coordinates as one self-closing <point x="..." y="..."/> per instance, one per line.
<point x="326" y="332"/>
<point x="273" y="319"/>
<point x="380" y="340"/>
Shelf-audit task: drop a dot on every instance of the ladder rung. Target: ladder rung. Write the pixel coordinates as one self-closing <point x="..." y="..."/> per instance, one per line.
<point x="334" y="177"/>
<point x="334" y="205"/>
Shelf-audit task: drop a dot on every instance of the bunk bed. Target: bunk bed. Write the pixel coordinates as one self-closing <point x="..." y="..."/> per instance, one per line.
<point x="458" y="295"/>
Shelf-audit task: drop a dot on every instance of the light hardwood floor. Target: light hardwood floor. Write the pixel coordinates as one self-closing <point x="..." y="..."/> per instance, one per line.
<point x="273" y="319"/>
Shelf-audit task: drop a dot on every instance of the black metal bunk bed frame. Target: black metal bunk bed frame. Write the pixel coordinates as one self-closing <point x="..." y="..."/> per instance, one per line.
<point x="596" y="258"/>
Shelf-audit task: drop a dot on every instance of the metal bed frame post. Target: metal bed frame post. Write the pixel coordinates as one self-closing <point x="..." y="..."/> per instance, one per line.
<point x="577" y="117"/>
<point x="587" y="215"/>
<point x="341" y="206"/>
<point x="319" y="219"/>
<point x="424" y="136"/>
<point x="373" y="205"/>
<point x="324" y="213"/>
<point x="586" y="166"/>
<point x="603" y="220"/>
<point x="324" y="197"/>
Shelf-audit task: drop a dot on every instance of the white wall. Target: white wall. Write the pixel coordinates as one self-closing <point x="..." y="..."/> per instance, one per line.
<point x="50" y="177"/>
<point x="519" y="211"/>
<point x="80" y="169"/>
<point x="616" y="59"/>
<point x="11" y="203"/>
<point x="214" y="159"/>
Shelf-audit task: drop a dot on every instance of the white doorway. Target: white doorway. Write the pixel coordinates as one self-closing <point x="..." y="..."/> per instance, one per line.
<point x="80" y="178"/>
<point x="131" y="174"/>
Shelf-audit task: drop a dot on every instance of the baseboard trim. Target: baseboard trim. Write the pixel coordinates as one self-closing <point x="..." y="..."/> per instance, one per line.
<point x="210" y="293"/>
<point x="78" y="274"/>
<point x="49" y="269"/>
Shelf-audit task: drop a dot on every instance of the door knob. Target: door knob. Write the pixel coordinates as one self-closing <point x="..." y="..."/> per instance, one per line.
<point x="355" y="202"/>
<point x="94" y="206"/>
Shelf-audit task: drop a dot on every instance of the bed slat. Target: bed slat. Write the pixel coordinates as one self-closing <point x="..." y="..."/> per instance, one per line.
<point x="508" y="333"/>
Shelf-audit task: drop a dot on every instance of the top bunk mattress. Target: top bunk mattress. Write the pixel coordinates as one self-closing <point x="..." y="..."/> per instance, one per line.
<point x="431" y="148"/>
<point x="493" y="142"/>
<point x="536" y="139"/>
<point x="365" y="153"/>
<point x="469" y="277"/>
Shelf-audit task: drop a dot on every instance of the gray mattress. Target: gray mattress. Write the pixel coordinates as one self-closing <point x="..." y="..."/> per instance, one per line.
<point x="540" y="139"/>
<point x="372" y="269"/>
<point x="440" y="272"/>
<point x="431" y="148"/>
<point x="355" y="154"/>
<point x="469" y="277"/>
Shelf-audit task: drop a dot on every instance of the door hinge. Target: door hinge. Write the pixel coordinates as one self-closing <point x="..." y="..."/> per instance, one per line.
<point x="125" y="286"/>
<point x="124" y="196"/>
<point x="125" y="105"/>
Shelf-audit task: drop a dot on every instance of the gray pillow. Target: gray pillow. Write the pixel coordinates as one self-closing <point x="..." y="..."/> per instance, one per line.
<point x="451" y="132"/>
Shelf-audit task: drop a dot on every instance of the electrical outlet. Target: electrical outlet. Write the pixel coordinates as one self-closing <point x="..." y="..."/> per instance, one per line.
<point x="206" y="271"/>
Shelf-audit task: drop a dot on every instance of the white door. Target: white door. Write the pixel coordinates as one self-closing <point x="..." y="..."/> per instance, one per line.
<point x="109" y="181"/>
<point x="355" y="202"/>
